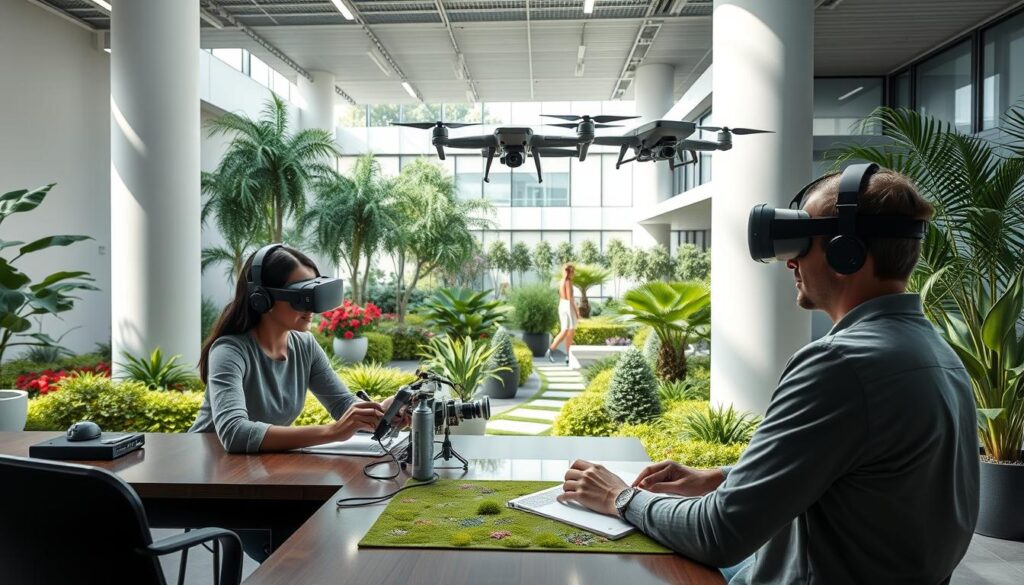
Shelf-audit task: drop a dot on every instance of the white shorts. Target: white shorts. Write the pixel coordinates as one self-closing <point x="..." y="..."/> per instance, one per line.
<point x="566" y="318"/>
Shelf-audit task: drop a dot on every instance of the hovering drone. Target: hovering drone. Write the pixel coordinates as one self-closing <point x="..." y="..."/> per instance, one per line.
<point x="668" y="140"/>
<point x="654" y="141"/>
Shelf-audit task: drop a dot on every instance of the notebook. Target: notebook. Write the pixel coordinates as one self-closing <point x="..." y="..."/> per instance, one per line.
<point x="544" y="503"/>
<point x="361" y="444"/>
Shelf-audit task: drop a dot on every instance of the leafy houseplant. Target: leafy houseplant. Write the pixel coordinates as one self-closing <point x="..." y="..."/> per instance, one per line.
<point x="155" y="372"/>
<point x="346" y="324"/>
<point x="463" y="313"/>
<point x="969" y="276"/>
<point x="678" y="312"/>
<point x="376" y="380"/>
<point x="535" y="312"/>
<point x="507" y="382"/>
<point x="464" y="362"/>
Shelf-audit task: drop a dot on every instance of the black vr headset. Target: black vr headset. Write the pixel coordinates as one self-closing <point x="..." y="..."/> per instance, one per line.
<point x="315" y="294"/>
<point x="784" y="234"/>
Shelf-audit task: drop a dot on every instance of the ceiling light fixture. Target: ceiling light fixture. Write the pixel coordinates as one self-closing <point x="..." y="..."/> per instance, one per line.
<point x="851" y="93"/>
<point x="102" y="4"/>
<point x="377" y="61"/>
<point x="588" y="6"/>
<point x="409" y="90"/>
<point x="343" y="9"/>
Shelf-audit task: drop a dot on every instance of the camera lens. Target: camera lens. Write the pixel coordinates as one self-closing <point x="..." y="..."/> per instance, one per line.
<point x="514" y="159"/>
<point x="666" y="152"/>
<point x="476" y="409"/>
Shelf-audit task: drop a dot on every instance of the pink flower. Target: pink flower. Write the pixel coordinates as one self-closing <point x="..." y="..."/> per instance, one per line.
<point x="349" y="335"/>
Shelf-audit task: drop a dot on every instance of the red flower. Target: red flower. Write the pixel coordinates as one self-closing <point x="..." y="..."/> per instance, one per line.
<point x="348" y="335"/>
<point x="353" y="323"/>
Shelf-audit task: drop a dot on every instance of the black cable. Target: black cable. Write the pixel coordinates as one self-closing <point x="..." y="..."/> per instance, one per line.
<point x="370" y="500"/>
<point x="399" y="465"/>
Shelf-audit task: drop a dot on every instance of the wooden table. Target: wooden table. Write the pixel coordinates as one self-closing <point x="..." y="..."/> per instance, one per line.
<point x="189" y="480"/>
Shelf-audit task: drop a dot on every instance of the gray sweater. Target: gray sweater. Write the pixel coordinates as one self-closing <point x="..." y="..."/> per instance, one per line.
<point x="865" y="469"/>
<point x="246" y="391"/>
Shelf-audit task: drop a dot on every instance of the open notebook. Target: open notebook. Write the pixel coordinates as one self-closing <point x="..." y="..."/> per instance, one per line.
<point x="544" y="503"/>
<point x="361" y="444"/>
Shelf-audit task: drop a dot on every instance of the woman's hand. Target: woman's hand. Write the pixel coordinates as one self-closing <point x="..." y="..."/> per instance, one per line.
<point x="403" y="419"/>
<point x="361" y="416"/>
<point x="669" y="477"/>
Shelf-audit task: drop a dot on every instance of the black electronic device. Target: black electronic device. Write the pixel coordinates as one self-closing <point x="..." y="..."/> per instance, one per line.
<point x="105" y="447"/>
<point x="316" y="295"/>
<point x="784" y="234"/>
<point x="447" y="412"/>
<point x="85" y="430"/>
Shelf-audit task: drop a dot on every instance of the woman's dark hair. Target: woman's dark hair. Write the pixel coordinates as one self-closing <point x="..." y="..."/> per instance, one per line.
<point x="238" y="316"/>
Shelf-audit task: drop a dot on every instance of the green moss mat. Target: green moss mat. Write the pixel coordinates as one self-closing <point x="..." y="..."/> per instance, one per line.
<point x="473" y="514"/>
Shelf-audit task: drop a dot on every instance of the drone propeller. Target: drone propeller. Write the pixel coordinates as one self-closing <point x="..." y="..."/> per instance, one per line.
<point x="438" y="124"/>
<point x="583" y="118"/>
<point x="573" y="125"/>
<point x="736" y="131"/>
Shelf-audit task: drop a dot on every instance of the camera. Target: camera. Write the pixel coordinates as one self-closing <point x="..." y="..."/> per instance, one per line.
<point x="445" y="412"/>
<point x="666" y="152"/>
<point x="514" y="156"/>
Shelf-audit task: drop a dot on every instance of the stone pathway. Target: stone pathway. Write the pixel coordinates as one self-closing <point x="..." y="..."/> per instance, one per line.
<point x="559" y="383"/>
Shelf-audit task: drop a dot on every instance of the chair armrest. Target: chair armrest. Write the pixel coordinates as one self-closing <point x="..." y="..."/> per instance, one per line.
<point x="231" y="549"/>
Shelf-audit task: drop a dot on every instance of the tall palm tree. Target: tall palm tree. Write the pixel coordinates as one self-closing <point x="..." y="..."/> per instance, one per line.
<point x="584" y="278"/>
<point x="969" y="275"/>
<point x="266" y="170"/>
<point x="349" y="218"/>
<point x="679" y="313"/>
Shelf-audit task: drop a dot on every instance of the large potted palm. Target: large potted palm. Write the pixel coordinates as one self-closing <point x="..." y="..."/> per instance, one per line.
<point x="970" y="279"/>
<point x="464" y="362"/>
<point x="678" y="312"/>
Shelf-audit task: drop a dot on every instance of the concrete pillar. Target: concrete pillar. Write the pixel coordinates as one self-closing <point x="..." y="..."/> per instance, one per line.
<point x="154" y="207"/>
<point x="652" y="182"/>
<point x="318" y="112"/>
<point x="763" y="79"/>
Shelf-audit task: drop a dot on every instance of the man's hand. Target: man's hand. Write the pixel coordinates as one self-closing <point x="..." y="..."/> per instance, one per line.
<point x="669" y="477"/>
<point x="593" y="486"/>
<point x="403" y="419"/>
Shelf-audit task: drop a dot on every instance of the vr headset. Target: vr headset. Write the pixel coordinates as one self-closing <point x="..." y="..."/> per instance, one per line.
<point x="315" y="294"/>
<point x="784" y="234"/>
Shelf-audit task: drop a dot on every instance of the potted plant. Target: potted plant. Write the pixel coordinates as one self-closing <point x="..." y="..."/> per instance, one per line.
<point x="535" y="312"/>
<point x="464" y="362"/>
<point x="970" y="280"/>
<point x="21" y="298"/>
<point x="506" y="383"/>
<point x="346" y="324"/>
<point x="458" y="312"/>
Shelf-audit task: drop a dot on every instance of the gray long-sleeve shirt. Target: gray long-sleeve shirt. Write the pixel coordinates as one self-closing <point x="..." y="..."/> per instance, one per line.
<point x="865" y="469"/>
<point x="246" y="391"/>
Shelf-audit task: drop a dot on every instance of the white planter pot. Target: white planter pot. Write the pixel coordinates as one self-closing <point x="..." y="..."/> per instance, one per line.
<point x="13" y="410"/>
<point x="476" y="426"/>
<point x="350" y="351"/>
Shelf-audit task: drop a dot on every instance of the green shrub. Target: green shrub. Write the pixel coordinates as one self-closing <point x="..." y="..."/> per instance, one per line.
<point x="488" y="508"/>
<point x="607" y="363"/>
<point x="549" y="540"/>
<point x="503" y="354"/>
<point x="156" y="373"/>
<point x="641" y="336"/>
<point x="15" y="368"/>
<point x="375" y="379"/>
<point x="633" y="394"/>
<point x="458" y="312"/>
<point x="406" y="341"/>
<point x="461" y="538"/>
<point x="650" y="349"/>
<point x="584" y="416"/>
<point x="313" y="413"/>
<point x="115" y="406"/>
<point x="535" y="308"/>
<point x="524" y="357"/>
<point x="720" y="425"/>
<point x="601" y="382"/>
<point x="595" y="330"/>
<point x="322" y="340"/>
<point x="515" y="542"/>
<point x="661" y="445"/>
<point x="674" y="391"/>
<point x="379" y="348"/>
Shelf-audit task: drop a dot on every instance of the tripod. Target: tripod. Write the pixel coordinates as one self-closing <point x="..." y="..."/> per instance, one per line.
<point x="447" y="453"/>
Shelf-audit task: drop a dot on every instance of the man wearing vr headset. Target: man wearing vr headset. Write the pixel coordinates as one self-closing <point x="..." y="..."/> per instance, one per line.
<point x="865" y="468"/>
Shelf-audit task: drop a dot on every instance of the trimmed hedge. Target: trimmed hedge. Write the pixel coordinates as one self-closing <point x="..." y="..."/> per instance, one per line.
<point x="641" y="336"/>
<point x="595" y="330"/>
<point x="601" y="365"/>
<point x="406" y="341"/>
<point x="379" y="348"/>
<point x="661" y="444"/>
<point x="585" y="415"/>
<point x="313" y="413"/>
<point x="524" y="357"/>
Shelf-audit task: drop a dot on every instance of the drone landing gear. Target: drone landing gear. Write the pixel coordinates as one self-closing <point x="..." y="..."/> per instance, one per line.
<point x="490" y="159"/>
<point x="536" y="159"/>
<point x="448" y="452"/>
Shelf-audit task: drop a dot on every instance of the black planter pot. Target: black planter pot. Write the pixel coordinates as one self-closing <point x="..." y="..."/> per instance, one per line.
<point x="506" y="387"/>
<point x="537" y="342"/>
<point x="1000" y="514"/>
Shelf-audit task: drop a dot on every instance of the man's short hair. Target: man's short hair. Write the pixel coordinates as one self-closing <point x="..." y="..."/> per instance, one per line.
<point x="888" y="193"/>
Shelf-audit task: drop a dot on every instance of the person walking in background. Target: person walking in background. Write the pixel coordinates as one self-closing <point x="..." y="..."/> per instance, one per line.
<point x="568" y="314"/>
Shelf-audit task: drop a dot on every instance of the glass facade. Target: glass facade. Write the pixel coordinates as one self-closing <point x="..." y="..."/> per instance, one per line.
<point x="840" y="103"/>
<point x="944" y="88"/>
<point x="1002" y="69"/>
<point x="245" y="62"/>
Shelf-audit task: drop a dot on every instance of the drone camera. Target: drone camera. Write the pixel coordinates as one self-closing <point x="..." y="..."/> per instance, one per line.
<point x="667" y="152"/>
<point x="514" y="157"/>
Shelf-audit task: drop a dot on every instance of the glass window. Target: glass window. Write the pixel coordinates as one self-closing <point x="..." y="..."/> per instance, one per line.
<point x="384" y="114"/>
<point x="259" y="70"/>
<point x="901" y="90"/>
<point x="461" y="112"/>
<point x="499" y="190"/>
<point x="1003" y="69"/>
<point x="232" y="57"/>
<point x="279" y="83"/>
<point x="469" y="176"/>
<point x="526" y="114"/>
<point x="944" y="86"/>
<point x="349" y="116"/>
<point x="498" y="114"/>
<point x="421" y="113"/>
<point x="553" y="192"/>
<point x="616" y="185"/>
<point x="841" y="103"/>
<point x="586" y="181"/>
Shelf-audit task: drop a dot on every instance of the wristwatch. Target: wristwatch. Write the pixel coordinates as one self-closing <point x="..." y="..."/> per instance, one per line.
<point x="622" y="500"/>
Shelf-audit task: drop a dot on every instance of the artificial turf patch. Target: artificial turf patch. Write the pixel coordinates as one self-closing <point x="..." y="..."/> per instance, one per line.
<point x="459" y="514"/>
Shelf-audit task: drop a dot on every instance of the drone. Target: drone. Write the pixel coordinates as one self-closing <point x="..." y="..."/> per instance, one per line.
<point x="654" y="141"/>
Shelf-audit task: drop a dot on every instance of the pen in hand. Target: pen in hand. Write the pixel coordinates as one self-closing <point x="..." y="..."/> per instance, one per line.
<point x="364" y="396"/>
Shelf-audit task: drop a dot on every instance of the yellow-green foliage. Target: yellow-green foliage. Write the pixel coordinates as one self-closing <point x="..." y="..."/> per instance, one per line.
<point x="376" y="380"/>
<point x="601" y="382"/>
<point x="461" y="539"/>
<point x="488" y="508"/>
<point x="515" y="542"/>
<point x="524" y="357"/>
<point x="584" y="416"/>
<point x="313" y="413"/>
<point x="663" y="443"/>
<point x="595" y="330"/>
<point x="641" y="337"/>
<point x="115" y="406"/>
<point x="549" y="540"/>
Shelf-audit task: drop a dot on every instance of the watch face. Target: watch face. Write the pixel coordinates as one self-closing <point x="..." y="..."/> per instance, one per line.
<point x="623" y="498"/>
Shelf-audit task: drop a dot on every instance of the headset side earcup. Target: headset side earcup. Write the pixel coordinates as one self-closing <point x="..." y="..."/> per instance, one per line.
<point x="259" y="301"/>
<point x="846" y="254"/>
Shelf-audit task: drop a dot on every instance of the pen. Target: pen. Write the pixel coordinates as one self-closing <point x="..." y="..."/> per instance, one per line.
<point x="364" y="396"/>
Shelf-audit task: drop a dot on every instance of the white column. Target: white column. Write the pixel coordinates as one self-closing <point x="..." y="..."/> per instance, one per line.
<point x="652" y="182"/>
<point x="318" y="112"/>
<point x="763" y="79"/>
<point x="154" y="207"/>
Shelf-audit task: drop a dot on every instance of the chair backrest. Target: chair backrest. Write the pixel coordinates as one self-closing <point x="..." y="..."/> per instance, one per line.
<point x="68" y="523"/>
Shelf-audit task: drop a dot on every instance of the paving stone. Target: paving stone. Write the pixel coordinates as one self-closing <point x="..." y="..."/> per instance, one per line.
<point x="560" y="394"/>
<point x="515" y="426"/>
<point x="566" y="386"/>
<point x="549" y="403"/>
<point x="533" y="413"/>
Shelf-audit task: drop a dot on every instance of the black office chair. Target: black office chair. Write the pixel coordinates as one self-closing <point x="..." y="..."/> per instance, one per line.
<point x="68" y="523"/>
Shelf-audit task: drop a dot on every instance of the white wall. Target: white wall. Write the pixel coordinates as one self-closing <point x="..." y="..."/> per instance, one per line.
<point x="55" y="127"/>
